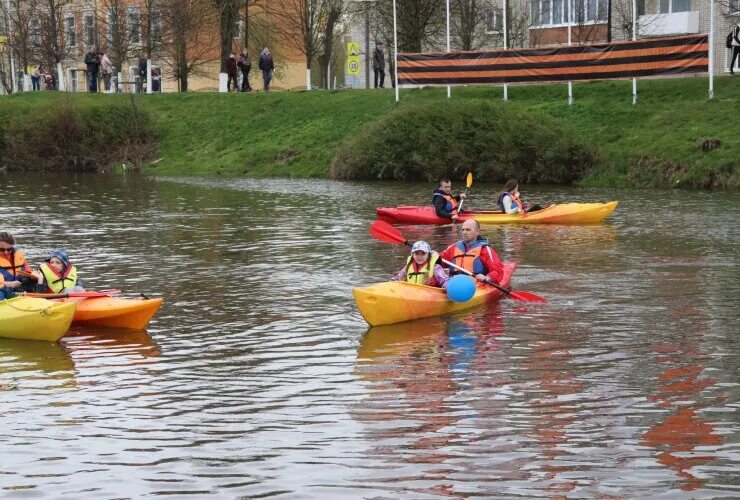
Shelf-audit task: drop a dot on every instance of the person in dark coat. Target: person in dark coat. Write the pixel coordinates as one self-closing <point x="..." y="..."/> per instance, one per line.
<point x="142" y="73"/>
<point x="245" y="64"/>
<point x="92" y="61"/>
<point x="379" y="64"/>
<point x="735" y="47"/>
<point x="231" y="72"/>
<point x="267" y="66"/>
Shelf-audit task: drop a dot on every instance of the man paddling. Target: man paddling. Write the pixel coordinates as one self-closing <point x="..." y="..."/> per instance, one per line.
<point x="445" y="205"/>
<point x="473" y="253"/>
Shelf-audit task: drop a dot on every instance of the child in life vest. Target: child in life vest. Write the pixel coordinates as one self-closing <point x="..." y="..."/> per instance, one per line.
<point x="422" y="267"/>
<point x="58" y="275"/>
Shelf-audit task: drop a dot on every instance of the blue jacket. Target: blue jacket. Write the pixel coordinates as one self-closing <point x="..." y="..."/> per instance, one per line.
<point x="442" y="207"/>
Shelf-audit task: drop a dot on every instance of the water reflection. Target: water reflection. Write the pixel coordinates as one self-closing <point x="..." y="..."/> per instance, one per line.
<point x="256" y="379"/>
<point x="679" y="437"/>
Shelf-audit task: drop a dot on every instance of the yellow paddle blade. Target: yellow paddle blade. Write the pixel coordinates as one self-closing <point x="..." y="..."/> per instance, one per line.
<point x="469" y="180"/>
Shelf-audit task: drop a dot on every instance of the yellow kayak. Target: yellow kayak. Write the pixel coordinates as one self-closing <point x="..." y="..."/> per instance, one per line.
<point x="564" y="213"/>
<point x="396" y="301"/>
<point x="35" y="319"/>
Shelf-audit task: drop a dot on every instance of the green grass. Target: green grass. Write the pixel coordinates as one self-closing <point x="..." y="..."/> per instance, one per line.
<point x="298" y="133"/>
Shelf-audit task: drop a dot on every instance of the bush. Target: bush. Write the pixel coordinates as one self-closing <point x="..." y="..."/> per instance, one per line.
<point x="61" y="135"/>
<point x="429" y="140"/>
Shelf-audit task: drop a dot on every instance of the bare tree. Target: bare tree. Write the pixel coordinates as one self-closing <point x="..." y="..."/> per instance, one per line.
<point x="328" y="39"/>
<point x="622" y="20"/>
<point x="420" y="23"/>
<point x="300" y="23"/>
<point x="21" y="31"/>
<point x="52" y="45"/>
<point x="188" y="42"/>
<point x="117" y="39"/>
<point x="469" y="21"/>
<point x="228" y="15"/>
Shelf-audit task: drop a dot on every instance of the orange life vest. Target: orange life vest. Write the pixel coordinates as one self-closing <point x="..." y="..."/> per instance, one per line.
<point x="468" y="260"/>
<point x="451" y="202"/>
<point x="16" y="262"/>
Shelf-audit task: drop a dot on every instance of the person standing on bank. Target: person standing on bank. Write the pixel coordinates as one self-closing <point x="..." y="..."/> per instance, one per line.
<point x="735" y="47"/>
<point x="267" y="66"/>
<point x="107" y="66"/>
<point x="231" y="72"/>
<point x="36" y="78"/>
<point x="379" y="64"/>
<point x="92" y="61"/>
<point x="245" y="64"/>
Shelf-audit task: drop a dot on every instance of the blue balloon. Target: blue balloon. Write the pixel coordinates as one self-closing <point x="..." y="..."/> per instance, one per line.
<point x="460" y="288"/>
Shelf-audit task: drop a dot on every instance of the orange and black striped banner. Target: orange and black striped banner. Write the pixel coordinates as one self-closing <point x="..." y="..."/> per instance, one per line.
<point x="648" y="57"/>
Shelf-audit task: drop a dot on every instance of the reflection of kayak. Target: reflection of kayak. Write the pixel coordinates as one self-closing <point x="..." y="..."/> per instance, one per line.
<point x="565" y="213"/>
<point x="396" y="301"/>
<point x="115" y="312"/>
<point x="34" y="319"/>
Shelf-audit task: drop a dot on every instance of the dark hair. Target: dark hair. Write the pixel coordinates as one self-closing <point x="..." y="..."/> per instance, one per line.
<point x="444" y="179"/>
<point x="7" y="238"/>
<point x="508" y="187"/>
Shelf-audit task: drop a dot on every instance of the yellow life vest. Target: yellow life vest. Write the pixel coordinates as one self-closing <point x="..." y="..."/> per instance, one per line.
<point x="424" y="275"/>
<point x="58" y="282"/>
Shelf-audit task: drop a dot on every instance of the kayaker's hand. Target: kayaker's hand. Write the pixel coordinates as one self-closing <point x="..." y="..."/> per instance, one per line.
<point x="454" y="217"/>
<point x="39" y="277"/>
<point x="482" y="277"/>
<point x="13" y="284"/>
<point x="463" y="196"/>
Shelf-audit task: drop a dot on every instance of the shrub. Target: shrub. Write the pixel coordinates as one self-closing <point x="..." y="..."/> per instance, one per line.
<point x="67" y="136"/>
<point x="497" y="142"/>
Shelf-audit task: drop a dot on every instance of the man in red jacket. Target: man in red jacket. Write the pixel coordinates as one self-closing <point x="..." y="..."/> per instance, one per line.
<point x="473" y="253"/>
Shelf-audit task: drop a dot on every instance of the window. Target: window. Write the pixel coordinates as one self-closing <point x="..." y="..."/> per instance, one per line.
<point x="238" y="33"/>
<point x="670" y="6"/>
<point x="640" y="7"/>
<point x="495" y="20"/>
<point x="70" y="31"/>
<point x="133" y="25"/>
<point x="89" y="29"/>
<point x="555" y="12"/>
<point x="156" y="25"/>
<point x="35" y="32"/>
<point x="681" y="5"/>
<point x="734" y="7"/>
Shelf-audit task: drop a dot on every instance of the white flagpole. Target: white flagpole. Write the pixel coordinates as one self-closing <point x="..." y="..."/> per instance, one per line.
<point x="634" y="39"/>
<point x="711" y="50"/>
<point x="449" y="91"/>
<point x="506" y="46"/>
<point x="395" y="49"/>
<point x="570" y="42"/>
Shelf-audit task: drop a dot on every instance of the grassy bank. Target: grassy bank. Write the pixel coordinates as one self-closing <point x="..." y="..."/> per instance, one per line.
<point x="657" y="142"/>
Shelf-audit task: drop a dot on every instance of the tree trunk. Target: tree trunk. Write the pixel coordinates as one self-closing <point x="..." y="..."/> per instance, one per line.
<point x="227" y="16"/>
<point x="325" y="58"/>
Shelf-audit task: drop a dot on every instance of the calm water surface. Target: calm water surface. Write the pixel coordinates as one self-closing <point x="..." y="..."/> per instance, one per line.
<point x="260" y="378"/>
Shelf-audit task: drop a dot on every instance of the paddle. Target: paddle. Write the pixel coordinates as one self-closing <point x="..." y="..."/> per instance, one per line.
<point x="388" y="234"/>
<point x="468" y="183"/>
<point x="85" y="294"/>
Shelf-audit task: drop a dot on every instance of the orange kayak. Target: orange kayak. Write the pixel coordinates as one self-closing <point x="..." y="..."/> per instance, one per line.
<point x="114" y="312"/>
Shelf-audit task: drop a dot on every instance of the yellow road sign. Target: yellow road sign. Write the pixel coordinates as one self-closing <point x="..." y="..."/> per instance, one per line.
<point x="353" y="58"/>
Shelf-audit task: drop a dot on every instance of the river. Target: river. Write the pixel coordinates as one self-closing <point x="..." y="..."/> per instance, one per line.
<point x="259" y="377"/>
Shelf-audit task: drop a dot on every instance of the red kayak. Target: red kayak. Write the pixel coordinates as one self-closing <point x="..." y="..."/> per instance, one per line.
<point x="564" y="213"/>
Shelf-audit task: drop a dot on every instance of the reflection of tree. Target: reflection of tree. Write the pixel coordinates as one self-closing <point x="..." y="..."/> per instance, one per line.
<point x="680" y="432"/>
